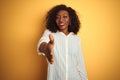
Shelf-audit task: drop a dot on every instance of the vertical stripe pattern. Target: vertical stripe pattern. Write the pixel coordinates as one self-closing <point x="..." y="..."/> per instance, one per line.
<point x="68" y="59"/>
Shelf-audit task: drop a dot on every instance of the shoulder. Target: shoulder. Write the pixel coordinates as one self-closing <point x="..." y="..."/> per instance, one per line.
<point x="47" y="31"/>
<point x="76" y="37"/>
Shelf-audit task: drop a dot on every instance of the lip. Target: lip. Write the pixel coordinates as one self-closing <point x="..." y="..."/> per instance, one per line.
<point x="61" y="24"/>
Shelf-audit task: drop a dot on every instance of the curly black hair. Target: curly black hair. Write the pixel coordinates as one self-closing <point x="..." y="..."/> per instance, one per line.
<point x="51" y="25"/>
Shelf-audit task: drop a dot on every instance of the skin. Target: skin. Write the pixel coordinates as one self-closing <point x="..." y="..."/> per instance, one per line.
<point x="62" y="21"/>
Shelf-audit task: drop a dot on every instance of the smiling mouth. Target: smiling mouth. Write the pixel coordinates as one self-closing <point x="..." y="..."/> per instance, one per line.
<point x="61" y="24"/>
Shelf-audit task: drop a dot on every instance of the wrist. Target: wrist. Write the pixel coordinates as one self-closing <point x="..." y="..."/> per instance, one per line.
<point x="43" y="47"/>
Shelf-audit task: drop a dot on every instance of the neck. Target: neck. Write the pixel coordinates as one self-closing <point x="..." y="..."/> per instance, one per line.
<point x="65" y="32"/>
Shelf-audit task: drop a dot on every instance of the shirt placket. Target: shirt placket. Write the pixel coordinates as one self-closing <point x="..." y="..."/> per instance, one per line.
<point x="66" y="46"/>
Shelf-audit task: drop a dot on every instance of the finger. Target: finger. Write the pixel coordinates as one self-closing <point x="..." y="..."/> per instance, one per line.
<point x="51" y="58"/>
<point x="51" y="38"/>
<point x="52" y="61"/>
<point x="51" y="55"/>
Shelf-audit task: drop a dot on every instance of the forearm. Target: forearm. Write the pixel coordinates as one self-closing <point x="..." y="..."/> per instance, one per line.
<point x="43" y="47"/>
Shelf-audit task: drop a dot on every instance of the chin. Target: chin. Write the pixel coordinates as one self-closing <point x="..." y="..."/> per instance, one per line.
<point x="62" y="27"/>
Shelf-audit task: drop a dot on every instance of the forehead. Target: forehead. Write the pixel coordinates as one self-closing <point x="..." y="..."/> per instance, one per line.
<point x="62" y="12"/>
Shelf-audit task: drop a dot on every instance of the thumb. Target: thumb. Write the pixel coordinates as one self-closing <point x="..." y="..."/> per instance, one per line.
<point x="51" y="38"/>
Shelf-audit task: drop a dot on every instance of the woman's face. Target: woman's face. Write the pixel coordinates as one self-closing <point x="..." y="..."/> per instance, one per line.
<point x="62" y="20"/>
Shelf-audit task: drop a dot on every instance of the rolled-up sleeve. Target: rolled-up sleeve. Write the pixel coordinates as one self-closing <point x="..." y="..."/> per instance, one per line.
<point x="44" y="38"/>
<point x="80" y="63"/>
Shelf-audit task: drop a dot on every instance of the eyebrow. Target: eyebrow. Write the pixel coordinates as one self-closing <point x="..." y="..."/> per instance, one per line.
<point x="63" y="14"/>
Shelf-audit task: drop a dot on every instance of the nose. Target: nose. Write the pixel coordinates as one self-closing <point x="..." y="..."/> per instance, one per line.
<point x="61" y="19"/>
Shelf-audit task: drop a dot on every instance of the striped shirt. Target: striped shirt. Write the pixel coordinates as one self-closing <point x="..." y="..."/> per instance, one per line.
<point x="68" y="60"/>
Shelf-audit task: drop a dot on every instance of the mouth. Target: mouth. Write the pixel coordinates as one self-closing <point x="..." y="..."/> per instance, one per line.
<point x="61" y="24"/>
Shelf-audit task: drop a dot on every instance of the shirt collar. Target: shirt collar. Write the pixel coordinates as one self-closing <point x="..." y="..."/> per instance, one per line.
<point x="71" y="33"/>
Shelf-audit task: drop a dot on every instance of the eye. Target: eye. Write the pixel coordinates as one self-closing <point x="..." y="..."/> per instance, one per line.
<point x="65" y="16"/>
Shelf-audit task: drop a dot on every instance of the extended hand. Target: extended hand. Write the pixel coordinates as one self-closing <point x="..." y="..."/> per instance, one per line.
<point x="49" y="53"/>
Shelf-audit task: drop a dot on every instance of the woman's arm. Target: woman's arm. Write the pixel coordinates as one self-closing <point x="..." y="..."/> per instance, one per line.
<point x="41" y="44"/>
<point x="80" y="63"/>
<point x="43" y="47"/>
<point x="46" y="45"/>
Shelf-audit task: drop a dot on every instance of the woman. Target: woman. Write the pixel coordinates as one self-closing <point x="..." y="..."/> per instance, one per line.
<point x="61" y="45"/>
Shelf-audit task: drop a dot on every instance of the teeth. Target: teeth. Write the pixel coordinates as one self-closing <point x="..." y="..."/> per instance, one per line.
<point x="62" y="24"/>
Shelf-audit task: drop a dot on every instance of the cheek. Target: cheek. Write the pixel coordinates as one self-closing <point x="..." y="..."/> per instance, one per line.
<point x="56" y="21"/>
<point x="68" y="21"/>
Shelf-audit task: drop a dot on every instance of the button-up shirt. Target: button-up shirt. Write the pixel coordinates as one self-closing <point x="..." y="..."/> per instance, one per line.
<point x="68" y="59"/>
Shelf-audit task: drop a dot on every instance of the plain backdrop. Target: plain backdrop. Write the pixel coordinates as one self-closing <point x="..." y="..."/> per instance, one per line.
<point x="22" y="24"/>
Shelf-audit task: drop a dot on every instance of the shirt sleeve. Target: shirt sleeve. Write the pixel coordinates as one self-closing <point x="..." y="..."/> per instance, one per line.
<point x="44" y="38"/>
<point x="80" y="63"/>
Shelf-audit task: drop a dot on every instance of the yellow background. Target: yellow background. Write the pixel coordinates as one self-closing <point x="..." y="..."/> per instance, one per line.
<point x="22" y="24"/>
